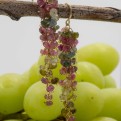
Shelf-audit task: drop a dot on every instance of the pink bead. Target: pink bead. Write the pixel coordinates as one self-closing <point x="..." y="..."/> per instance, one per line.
<point x="63" y="70"/>
<point x="65" y="83"/>
<point x="55" y="2"/>
<point x="43" y="38"/>
<point x="61" y="82"/>
<point x="56" y="36"/>
<point x="71" y="118"/>
<point x="74" y="84"/>
<point x="43" y="13"/>
<point x="65" y="41"/>
<point x="46" y="45"/>
<point x="60" y="47"/>
<point x="44" y="51"/>
<point x="40" y="2"/>
<point x="51" y="5"/>
<point x="41" y="51"/>
<point x="75" y="43"/>
<point x="72" y="69"/>
<point x="50" y="37"/>
<point x="44" y="80"/>
<point x="42" y="30"/>
<point x="49" y="103"/>
<point x="66" y="48"/>
<point x="72" y="77"/>
<point x="53" y="52"/>
<point x="50" y="88"/>
<point x="50" y="31"/>
<point x="48" y="7"/>
<point x="53" y="45"/>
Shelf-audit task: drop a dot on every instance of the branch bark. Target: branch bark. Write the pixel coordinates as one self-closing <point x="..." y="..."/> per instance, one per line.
<point x="17" y="9"/>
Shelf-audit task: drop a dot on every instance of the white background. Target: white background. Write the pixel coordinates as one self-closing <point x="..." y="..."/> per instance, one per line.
<point x="20" y="44"/>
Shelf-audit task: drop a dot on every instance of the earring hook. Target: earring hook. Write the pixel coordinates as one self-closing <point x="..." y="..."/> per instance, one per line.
<point x="70" y="15"/>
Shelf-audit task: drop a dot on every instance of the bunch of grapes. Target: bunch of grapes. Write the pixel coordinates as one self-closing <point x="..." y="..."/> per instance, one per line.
<point x="98" y="98"/>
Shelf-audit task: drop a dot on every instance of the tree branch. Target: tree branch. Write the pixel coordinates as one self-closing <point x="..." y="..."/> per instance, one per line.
<point x="17" y="9"/>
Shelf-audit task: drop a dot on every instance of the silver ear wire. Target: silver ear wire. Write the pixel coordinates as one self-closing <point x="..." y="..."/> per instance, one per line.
<point x="70" y="15"/>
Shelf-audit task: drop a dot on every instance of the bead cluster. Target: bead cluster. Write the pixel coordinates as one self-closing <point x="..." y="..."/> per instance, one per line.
<point x="68" y="40"/>
<point x="49" y="36"/>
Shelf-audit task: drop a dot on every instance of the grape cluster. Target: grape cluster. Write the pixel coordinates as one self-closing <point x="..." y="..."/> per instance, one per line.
<point x="49" y="36"/>
<point x="68" y="40"/>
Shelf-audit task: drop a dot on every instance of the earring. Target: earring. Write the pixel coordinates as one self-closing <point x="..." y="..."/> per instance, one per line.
<point x="49" y="36"/>
<point x="68" y="41"/>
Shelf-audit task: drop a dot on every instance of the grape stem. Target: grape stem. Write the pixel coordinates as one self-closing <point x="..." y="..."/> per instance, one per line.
<point x="17" y="9"/>
<point x="18" y="115"/>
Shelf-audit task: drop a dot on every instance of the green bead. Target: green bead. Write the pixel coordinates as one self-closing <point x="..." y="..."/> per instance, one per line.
<point x="56" y="27"/>
<point x="74" y="49"/>
<point x="71" y="54"/>
<point x="64" y="112"/>
<point x="66" y="63"/>
<point x="54" y="80"/>
<point x="52" y="23"/>
<point x="73" y="110"/>
<point x="75" y="35"/>
<point x="64" y="56"/>
<point x="68" y="34"/>
<point x="49" y="73"/>
<point x="45" y="22"/>
<point x="70" y="104"/>
<point x="42" y="72"/>
<point x="52" y="65"/>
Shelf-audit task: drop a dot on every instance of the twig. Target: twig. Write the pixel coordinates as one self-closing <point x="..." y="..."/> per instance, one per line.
<point x="19" y="115"/>
<point x="17" y="9"/>
<point x="23" y="116"/>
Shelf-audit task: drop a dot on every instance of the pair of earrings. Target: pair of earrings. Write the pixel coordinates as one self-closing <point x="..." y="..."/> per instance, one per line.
<point x="58" y="45"/>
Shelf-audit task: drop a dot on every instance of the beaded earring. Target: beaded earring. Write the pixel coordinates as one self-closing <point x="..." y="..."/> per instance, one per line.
<point x="68" y="41"/>
<point x="49" y="36"/>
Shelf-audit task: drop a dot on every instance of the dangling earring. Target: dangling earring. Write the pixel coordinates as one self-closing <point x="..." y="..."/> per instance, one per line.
<point x="68" y="41"/>
<point x="49" y="18"/>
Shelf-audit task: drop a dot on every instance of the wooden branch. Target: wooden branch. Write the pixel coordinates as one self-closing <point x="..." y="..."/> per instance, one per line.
<point x="17" y="9"/>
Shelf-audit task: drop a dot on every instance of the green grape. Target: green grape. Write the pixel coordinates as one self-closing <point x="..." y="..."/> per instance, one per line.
<point x="110" y="82"/>
<point x="36" y="120"/>
<point x="34" y="74"/>
<point x="34" y="103"/>
<point x="112" y="103"/>
<point x="88" y="72"/>
<point x="25" y="77"/>
<point x="12" y="91"/>
<point x="102" y="55"/>
<point x="104" y="119"/>
<point x="31" y="120"/>
<point x="89" y="101"/>
<point x="56" y="71"/>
